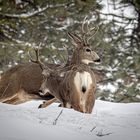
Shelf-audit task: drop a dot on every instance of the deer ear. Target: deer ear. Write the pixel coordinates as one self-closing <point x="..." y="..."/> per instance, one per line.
<point x="75" y="39"/>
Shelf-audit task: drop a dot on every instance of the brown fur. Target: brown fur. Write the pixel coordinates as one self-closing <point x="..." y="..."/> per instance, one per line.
<point x="64" y="88"/>
<point x="65" y="91"/>
<point x="26" y="77"/>
<point x="23" y="77"/>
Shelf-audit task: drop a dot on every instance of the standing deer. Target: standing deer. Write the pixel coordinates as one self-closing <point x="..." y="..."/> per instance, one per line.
<point x="77" y="88"/>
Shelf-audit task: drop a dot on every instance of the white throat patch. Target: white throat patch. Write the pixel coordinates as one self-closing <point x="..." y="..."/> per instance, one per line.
<point x="86" y="61"/>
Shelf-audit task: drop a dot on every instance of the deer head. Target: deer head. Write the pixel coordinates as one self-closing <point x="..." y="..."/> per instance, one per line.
<point x="83" y="52"/>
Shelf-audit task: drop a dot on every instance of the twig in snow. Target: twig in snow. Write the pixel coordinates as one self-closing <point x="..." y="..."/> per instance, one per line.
<point x="100" y="134"/>
<point x="55" y="121"/>
<point x="92" y="128"/>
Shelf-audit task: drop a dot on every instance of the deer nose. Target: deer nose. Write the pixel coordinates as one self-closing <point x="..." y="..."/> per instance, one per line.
<point x="97" y="60"/>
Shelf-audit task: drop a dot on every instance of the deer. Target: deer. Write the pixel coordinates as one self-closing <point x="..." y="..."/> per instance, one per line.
<point x="21" y="83"/>
<point x="76" y="89"/>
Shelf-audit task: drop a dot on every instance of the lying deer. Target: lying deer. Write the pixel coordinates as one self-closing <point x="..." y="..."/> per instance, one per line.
<point x="21" y="83"/>
<point x="77" y="88"/>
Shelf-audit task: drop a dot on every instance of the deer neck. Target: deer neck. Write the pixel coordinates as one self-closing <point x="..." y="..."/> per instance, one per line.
<point x="76" y="59"/>
<point x="51" y="84"/>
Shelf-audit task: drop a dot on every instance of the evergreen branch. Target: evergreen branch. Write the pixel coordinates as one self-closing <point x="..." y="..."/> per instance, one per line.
<point x="30" y="14"/>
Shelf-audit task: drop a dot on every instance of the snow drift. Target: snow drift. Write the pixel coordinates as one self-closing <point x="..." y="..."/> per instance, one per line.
<point x="109" y="121"/>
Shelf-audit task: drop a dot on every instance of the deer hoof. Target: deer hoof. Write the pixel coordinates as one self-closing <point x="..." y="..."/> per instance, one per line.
<point x="60" y="105"/>
<point x="40" y="106"/>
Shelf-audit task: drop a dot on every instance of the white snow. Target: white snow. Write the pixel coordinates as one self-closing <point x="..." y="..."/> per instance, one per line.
<point x="23" y="31"/>
<point x="110" y="87"/>
<point x="109" y="121"/>
<point x="117" y="9"/>
<point x="20" y="51"/>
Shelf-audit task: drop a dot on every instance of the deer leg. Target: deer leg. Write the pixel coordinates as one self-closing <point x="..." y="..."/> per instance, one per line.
<point x="66" y="105"/>
<point x="12" y="100"/>
<point x="47" y="103"/>
<point x="90" y="100"/>
<point x="19" y="97"/>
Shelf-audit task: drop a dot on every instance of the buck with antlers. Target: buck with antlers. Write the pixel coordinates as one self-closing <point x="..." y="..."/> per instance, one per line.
<point x="21" y="83"/>
<point x="77" y="88"/>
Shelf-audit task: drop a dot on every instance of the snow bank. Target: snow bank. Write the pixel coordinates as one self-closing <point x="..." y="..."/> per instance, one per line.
<point x="109" y="121"/>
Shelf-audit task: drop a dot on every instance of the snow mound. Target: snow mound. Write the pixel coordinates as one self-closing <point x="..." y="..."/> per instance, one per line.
<point x="109" y="121"/>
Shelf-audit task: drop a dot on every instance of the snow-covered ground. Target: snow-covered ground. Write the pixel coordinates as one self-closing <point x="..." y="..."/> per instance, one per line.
<point x="109" y="121"/>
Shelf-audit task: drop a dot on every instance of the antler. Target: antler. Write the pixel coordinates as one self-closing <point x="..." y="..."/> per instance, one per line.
<point x="58" y="69"/>
<point x="37" y="60"/>
<point x="67" y="54"/>
<point x="64" y="66"/>
<point x="87" y="31"/>
<point x="84" y="32"/>
<point x="92" y="32"/>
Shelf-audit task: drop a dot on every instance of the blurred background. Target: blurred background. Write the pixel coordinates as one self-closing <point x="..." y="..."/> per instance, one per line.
<point x="26" y="23"/>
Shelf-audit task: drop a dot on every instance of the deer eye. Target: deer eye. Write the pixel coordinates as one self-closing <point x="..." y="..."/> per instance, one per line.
<point x="88" y="50"/>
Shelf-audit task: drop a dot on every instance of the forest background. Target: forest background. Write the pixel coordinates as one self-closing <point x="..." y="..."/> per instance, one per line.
<point x="27" y="23"/>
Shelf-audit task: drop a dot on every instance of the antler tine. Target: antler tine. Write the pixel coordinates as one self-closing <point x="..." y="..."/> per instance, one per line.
<point x="65" y="66"/>
<point x="31" y="57"/>
<point x="61" y="67"/>
<point x="67" y="53"/>
<point x="38" y="61"/>
<point x="90" y="31"/>
<point x="85" y="22"/>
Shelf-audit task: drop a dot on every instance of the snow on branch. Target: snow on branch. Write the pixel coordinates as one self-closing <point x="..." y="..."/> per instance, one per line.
<point x="118" y="16"/>
<point x="30" y="14"/>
